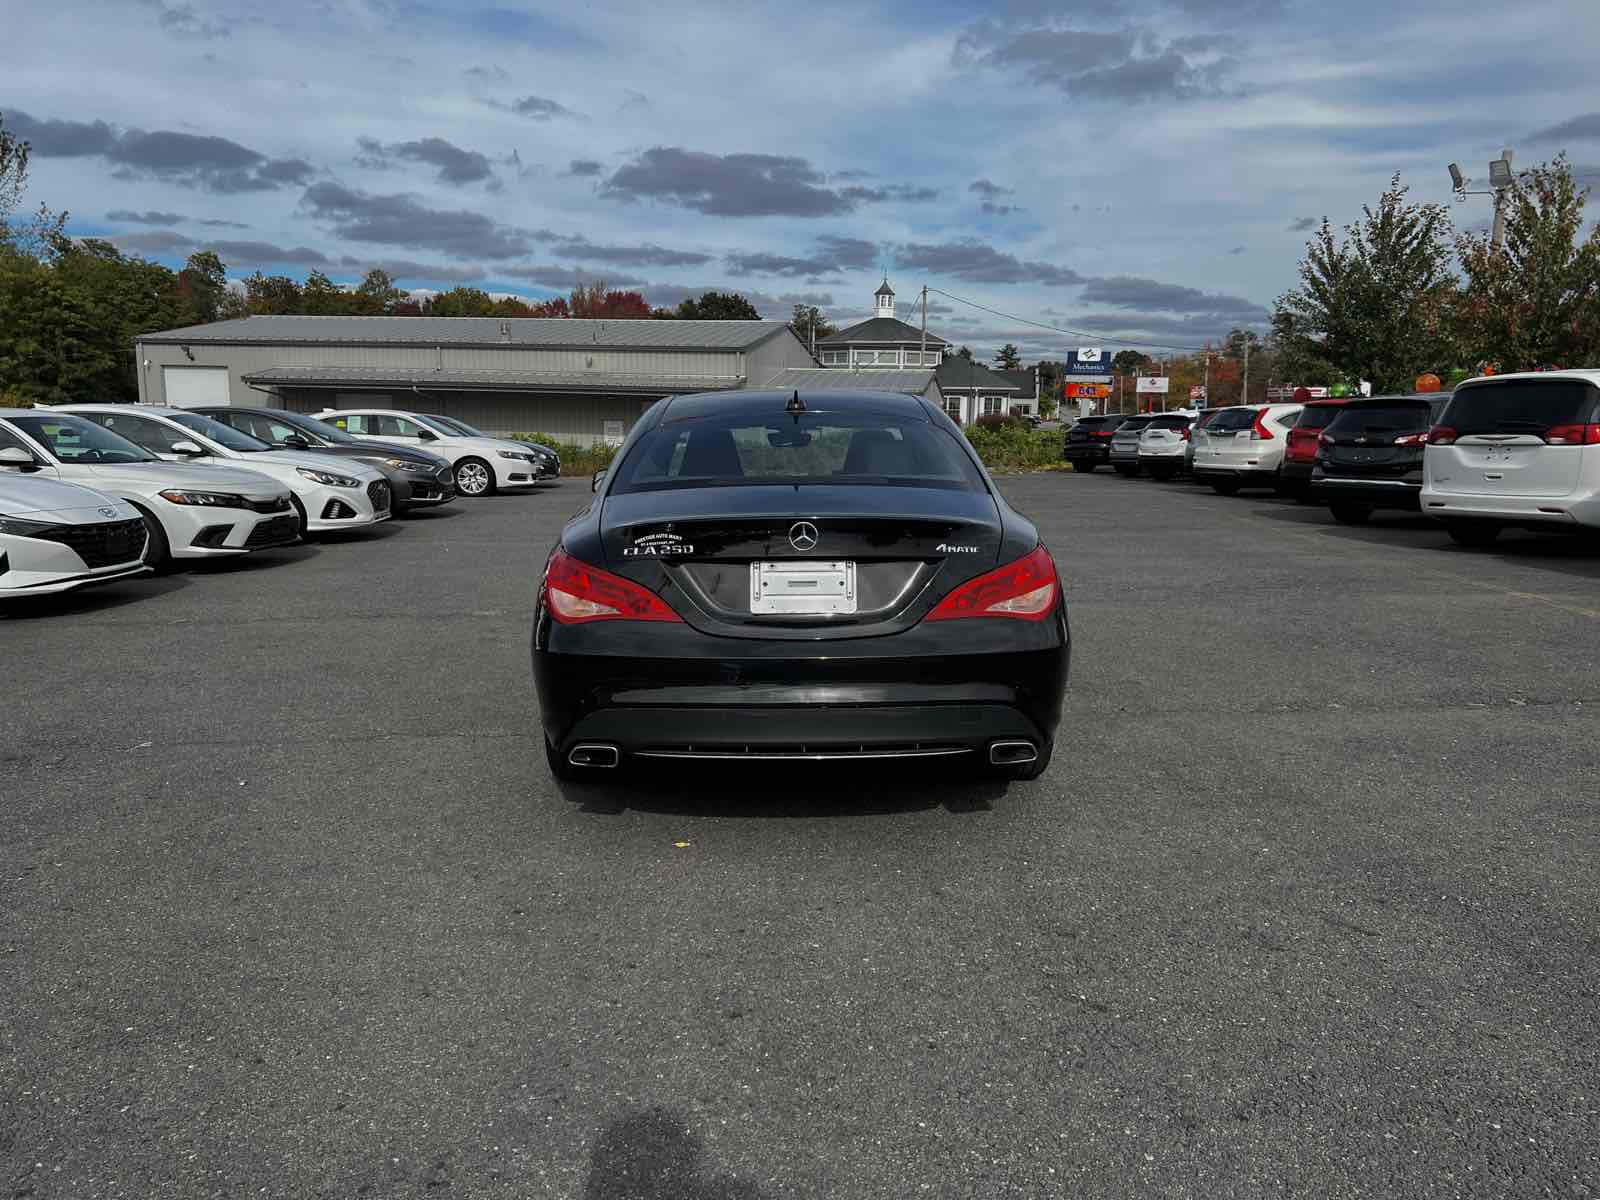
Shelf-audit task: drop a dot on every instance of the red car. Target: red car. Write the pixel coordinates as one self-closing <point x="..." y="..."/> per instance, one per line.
<point x="1300" y="453"/>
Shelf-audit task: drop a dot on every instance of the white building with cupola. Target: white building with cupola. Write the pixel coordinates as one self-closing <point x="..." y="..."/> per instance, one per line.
<point x="884" y="341"/>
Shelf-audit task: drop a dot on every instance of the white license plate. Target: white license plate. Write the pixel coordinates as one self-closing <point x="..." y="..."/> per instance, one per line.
<point x="802" y="588"/>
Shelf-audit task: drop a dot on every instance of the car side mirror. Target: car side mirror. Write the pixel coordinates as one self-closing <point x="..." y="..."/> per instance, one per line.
<point x="295" y="442"/>
<point x="16" y="456"/>
<point x="599" y="478"/>
<point x="427" y="435"/>
<point x="186" y="447"/>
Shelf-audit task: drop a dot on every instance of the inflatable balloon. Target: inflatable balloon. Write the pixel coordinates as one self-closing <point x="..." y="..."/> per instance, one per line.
<point x="1428" y="382"/>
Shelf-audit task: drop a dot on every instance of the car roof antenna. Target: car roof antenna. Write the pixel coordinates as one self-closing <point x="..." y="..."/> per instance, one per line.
<point x="795" y="405"/>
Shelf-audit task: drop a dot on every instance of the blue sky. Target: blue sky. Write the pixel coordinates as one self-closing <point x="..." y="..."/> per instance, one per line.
<point x="1136" y="168"/>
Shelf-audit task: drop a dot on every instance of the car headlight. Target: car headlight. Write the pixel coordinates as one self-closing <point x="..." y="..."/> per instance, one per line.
<point x="517" y="454"/>
<point x="328" y="478"/>
<point x="406" y="464"/>
<point x="17" y="527"/>
<point x="212" y="499"/>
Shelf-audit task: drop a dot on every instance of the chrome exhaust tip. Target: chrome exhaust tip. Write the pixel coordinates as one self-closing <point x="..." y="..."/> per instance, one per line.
<point x="1012" y="754"/>
<point x="594" y="754"/>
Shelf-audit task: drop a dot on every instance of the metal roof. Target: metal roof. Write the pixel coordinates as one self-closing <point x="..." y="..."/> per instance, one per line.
<point x="962" y="375"/>
<point x="510" y="332"/>
<point x="813" y="379"/>
<point x="884" y="289"/>
<point x="495" y="381"/>
<point x="880" y="329"/>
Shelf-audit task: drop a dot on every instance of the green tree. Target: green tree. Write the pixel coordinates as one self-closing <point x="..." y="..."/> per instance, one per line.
<point x="718" y="306"/>
<point x="965" y="352"/>
<point x="1369" y="303"/>
<point x="377" y="294"/>
<point x="322" y="297"/>
<point x="13" y="174"/>
<point x="460" y="302"/>
<point x="809" y="325"/>
<point x="1008" y="357"/>
<point x="1128" y="362"/>
<point x="1535" y="302"/>
<point x="272" y="295"/>
<point x="203" y="289"/>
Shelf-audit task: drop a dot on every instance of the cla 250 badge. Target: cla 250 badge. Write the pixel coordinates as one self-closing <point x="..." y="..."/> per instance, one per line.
<point x="658" y="545"/>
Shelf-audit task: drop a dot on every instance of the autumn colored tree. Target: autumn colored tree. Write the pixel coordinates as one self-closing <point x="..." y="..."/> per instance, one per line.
<point x="272" y="295"/>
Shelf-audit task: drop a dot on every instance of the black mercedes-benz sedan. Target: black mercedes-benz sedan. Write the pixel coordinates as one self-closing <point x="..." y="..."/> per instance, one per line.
<point x="417" y="478"/>
<point x="777" y="576"/>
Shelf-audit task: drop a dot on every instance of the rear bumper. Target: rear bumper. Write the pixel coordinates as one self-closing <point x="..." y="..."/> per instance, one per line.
<point x="1296" y="475"/>
<point x="1369" y="493"/>
<point x="1248" y="476"/>
<point x="1582" y="509"/>
<point x="1085" y="452"/>
<point x="928" y="690"/>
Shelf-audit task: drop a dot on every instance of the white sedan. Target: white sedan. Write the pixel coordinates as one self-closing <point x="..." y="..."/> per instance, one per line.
<point x="483" y="464"/>
<point x="190" y="511"/>
<point x="328" y="493"/>
<point x="55" y="537"/>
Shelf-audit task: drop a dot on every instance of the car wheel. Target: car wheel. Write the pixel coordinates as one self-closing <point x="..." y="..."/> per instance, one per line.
<point x="1350" y="514"/>
<point x="1472" y="533"/>
<point x="1080" y="464"/>
<point x="157" y="550"/>
<point x="1023" y="772"/>
<point x="299" y="514"/>
<point x="1225" y="487"/>
<point x="474" y="478"/>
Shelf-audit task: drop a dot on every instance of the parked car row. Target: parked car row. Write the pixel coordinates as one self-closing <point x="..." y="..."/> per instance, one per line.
<point x="1502" y="451"/>
<point x="95" y="492"/>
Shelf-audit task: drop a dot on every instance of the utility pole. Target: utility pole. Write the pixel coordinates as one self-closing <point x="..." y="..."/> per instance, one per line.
<point x="1501" y="189"/>
<point x="1205" y="387"/>
<point x="1244" y="391"/>
<point x="923" y="360"/>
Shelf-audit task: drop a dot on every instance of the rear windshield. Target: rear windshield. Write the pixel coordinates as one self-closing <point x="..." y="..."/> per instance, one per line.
<point x="1230" y="420"/>
<point x="862" y="448"/>
<point x="1318" y="416"/>
<point x="1520" y="406"/>
<point x="1368" y="420"/>
<point x="1134" y="424"/>
<point x="1091" y="422"/>
<point x="1170" y="423"/>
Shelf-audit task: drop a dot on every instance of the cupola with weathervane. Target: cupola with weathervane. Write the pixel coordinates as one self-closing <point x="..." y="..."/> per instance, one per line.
<point x="885" y="295"/>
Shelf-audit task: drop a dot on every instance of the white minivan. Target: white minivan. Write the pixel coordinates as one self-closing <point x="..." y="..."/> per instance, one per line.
<point x="1516" y="450"/>
<point x="1243" y="446"/>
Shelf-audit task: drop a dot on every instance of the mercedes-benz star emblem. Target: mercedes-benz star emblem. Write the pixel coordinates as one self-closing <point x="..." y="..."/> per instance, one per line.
<point x="803" y="536"/>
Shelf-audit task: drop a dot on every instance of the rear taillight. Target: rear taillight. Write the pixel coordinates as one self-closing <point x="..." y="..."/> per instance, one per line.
<point x="1412" y="439"/>
<point x="1573" y="435"/>
<point x="1259" y="431"/>
<point x="1105" y="433"/>
<point x="1186" y="433"/>
<point x="1440" y="435"/>
<point x="1025" y="589"/>
<point x="577" y="593"/>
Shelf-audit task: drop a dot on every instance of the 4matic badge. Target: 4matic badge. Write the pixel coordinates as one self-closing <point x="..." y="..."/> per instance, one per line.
<point x="658" y="545"/>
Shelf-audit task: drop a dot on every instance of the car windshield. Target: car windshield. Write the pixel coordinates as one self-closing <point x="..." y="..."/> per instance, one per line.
<point x="1521" y="406"/>
<point x="736" y="449"/>
<point x="1231" y="420"/>
<point x="1318" y="416"/>
<point x="223" y="435"/>
<point x="74" y="440"/>
<point x="451" y="425"/>
<point x="316" y="428"/>
<point x="1376" y="420"/>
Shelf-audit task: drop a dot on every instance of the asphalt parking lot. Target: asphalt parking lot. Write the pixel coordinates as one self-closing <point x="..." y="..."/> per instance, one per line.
<point x="1306" y="904"/>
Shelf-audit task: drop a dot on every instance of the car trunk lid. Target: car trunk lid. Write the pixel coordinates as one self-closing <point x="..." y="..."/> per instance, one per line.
<point x="1496" y="438"/>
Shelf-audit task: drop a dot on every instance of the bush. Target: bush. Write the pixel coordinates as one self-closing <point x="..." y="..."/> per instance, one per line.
<point x="1001" y="421"/>
<point x="1011" y="445"/>
<point x="11" y="399"/>
<point x="575" y="459"/>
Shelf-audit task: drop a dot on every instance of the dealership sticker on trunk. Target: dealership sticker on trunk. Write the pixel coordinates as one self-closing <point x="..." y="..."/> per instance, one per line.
<point x="657" y="545"/>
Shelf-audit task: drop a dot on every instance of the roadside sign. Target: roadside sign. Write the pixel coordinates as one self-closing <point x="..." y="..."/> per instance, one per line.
<point x="1198" y="392"/>
<point x="1156" y="384"/>
<point x="1088" y="360"/>
<point x="1088" y="391"/>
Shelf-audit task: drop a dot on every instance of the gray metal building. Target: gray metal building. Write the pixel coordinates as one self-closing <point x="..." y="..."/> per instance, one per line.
<point x="582" y="381"/>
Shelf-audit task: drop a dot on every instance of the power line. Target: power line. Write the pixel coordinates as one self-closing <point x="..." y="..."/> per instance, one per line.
<point x="1079" y="333"/>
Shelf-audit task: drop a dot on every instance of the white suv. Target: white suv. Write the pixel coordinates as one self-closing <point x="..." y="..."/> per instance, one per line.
<point x="483" y="464"/>
<point x="1516" y="450"/>
<point x="328" y="493"/>
<point x="1243" y="446"/>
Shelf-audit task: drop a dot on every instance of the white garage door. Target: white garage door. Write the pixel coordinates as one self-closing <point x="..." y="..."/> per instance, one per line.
<point x="190" y="387"/>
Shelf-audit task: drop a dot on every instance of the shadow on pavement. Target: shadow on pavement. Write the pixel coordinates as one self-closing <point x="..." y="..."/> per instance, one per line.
<point x="652" y="1155"/>
<point x="780" y="790"/>
<point x="90" y="600"/>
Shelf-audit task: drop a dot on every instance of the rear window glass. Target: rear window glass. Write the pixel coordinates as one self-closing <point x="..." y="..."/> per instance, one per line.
<point x="1520" y="406"/>
<point x="740" y="448"/>
<point x="1230" y="420"/>
<point x="1090" y="423"/>
<point x="1133" y="424"/>
<point x="1318" y="416"/>
<point x="1170" y="423"/>
<point x="1370" y="419"/>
